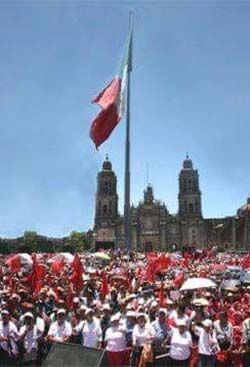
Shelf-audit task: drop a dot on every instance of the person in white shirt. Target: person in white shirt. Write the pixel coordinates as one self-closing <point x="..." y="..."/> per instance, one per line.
<point x="30" y="334"/>
<point x="143" y="334"/>
<point x="224" y="331"/>
<point x="115" y="341"/>
<point x="91" y="330"/>
<point x="207" y="345"/>
<point x="60" y="330"/>
<point x="180" y="345"/>
<point x="8" y="340"/>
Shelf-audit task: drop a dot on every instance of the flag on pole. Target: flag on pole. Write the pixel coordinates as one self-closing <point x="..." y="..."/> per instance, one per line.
<point x="112" y="100"/>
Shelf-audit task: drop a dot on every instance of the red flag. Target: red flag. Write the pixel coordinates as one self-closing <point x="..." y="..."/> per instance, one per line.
<point x="105" y="287"/>
<point x="179" y="278"/>
<point x="70" y="296"/>
<point x="58" y="266"/>
<point x="14" y="263"/>
<point x="36" y="277"/>
<point x="76" y="277"/>
<point x="245" y="262"/>
<point x="112" y="100"/>
<point x="161" y="263"/>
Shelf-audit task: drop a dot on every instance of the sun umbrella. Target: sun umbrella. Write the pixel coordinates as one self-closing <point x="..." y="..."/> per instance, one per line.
<point x="102" y="256"/>
<point x="230" y="285"/>
<point x="196" y="283"/>
<point x="246" y="278"/>
<point x="200" y="302"/>
<point x="25" y="258"/>
<point x="67" y="257"/>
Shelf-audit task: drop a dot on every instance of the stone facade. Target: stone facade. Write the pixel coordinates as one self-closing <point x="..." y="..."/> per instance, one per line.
<point x="154" y="228"/>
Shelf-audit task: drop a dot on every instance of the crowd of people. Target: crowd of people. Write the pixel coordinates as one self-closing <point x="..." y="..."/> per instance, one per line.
<point x="133" y="305"/>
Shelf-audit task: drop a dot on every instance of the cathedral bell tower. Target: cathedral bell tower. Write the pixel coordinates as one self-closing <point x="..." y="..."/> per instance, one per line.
<point x="106" y="209"/>
<point x="189" y="191"/>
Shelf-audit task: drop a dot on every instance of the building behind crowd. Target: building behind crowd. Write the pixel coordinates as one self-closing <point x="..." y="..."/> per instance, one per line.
<point x="155" y="229"/>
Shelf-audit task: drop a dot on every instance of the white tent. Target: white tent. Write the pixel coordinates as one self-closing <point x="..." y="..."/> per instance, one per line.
<point x="196" y="283"/>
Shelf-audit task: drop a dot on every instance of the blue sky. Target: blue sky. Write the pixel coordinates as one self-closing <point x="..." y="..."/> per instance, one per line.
<point x="190" y="93"/>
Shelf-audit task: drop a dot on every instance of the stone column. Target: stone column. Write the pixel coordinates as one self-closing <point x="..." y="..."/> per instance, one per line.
<point x="163" y="236"/>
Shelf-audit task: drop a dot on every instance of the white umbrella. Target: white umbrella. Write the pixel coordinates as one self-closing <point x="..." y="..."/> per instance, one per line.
<point x="25" y="259"/>
<point x="196" y="283"/>
<point x="68" y="258"/>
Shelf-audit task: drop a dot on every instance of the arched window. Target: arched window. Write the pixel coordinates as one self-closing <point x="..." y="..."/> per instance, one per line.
<point x="185" y="185"/>
<point x="105" y="209"/>
<point x="196" y="206"/>
<point x="185" y="206"/>
<point x="109" y="188"/>
<point x="110" y="207"/>
<point x="191" y="208"/>
<point x="189" y="185"/>
<point x="105" y="189"/>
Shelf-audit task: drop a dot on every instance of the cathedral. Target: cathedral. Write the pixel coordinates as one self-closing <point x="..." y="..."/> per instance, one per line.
<point x="153" y="228"/>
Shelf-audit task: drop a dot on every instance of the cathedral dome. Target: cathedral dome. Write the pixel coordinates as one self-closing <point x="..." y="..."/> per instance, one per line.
<point x="187" y="164"/>
<point x="107" y="166"/>
<point x="246" y="207"/>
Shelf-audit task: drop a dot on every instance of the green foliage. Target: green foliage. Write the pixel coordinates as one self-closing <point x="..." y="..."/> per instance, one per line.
<point x="30" y="241"/>
<point x="77" y="242"/>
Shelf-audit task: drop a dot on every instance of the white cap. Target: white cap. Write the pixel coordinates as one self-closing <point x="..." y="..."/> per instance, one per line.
<point x="89" y="310"/>
<point x="61" y="310"/>
<point x="154" y="304"/>
<point x="130" y="314"/>
<point x="75" y="300"/>
<point x="106" y="306"/>
<point x="115" y="317"/>
<point x="207" y="323"/>
<point x="29" y="314"/>
<point x="181" y="322"/>
<point x="5" y="312"/>
<point x="83" y="307"/>
<point x="163" y="310"/>
<point x="141" y="314"/>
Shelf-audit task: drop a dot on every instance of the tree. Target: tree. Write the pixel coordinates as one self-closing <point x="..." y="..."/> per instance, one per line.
<point x="30" y="241"/>
<point x="77" y="242"/>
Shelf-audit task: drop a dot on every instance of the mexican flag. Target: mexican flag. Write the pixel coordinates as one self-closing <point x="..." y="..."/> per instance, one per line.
<point x="112" y="100"/>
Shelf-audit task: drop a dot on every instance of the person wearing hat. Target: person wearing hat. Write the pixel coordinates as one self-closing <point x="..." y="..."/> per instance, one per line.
<point x="8" y="340"/>
<point x="115" y="342"/>
<point x="29" y="336"/>
<point x="162" y="331"/>
<point x="90" y="329"/>
<point x="129" y="324"/>
<point x="105" y="319"/>
<point x="143" y="334"/>
<point x="180" y="345"/>
<point x="245" y="342"/>
<point x="60" y="330"/>
<point x="207" y="344"/>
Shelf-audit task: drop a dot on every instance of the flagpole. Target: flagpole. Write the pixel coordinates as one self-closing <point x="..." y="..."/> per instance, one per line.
<point x="127" y="219"/>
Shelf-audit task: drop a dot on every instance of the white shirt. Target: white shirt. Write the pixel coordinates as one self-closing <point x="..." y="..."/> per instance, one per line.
<point x="116" y="339"/>
<point x="30" y="339"/>
<point x="9" y="329"/>
<point x="91" y="332"/>
<point x="206" y="340"/>
<point x="60" y="331"/>
<point x="225" y="331"/>
<point x="180" y="345"/>
<point x="174" y="316"/>
<point x="142" y="336"/>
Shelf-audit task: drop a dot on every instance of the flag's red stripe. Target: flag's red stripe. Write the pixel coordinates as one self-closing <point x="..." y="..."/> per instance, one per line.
<point x="104" y="124"/>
